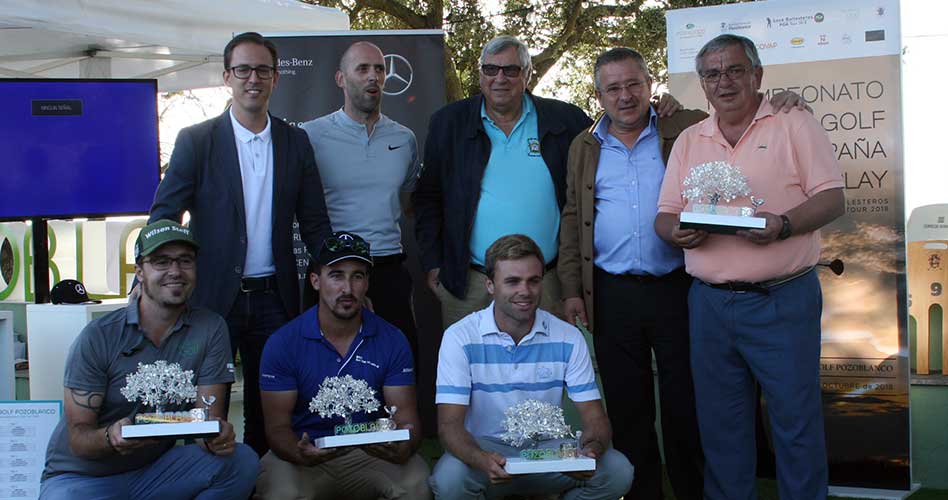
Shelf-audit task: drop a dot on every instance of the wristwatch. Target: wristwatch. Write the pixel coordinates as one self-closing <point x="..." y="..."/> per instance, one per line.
<point x="786" y="229"/>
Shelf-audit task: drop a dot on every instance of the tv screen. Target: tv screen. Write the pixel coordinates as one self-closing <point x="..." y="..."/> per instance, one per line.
<point x="77" y="148"/>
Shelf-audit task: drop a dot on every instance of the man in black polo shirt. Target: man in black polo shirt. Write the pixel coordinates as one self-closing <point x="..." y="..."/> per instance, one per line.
<point x="87" y="456"/>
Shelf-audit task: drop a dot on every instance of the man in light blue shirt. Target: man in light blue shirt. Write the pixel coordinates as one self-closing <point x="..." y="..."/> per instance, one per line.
<point x="510" y="352"/>
<point x="369" y="166"/>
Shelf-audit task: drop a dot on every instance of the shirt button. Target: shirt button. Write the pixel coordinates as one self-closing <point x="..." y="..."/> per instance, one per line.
<point x="238" y="269"/>
<point x="635" y="206"/>
<point x="338" y="360"/>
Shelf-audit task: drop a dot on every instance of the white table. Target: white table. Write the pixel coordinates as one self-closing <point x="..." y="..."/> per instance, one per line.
<point x="7" y="379"/>
<point x="51" y="329"/>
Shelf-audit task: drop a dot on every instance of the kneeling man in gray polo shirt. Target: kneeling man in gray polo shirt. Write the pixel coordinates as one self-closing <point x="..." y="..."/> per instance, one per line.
<point x="87" y="456"/>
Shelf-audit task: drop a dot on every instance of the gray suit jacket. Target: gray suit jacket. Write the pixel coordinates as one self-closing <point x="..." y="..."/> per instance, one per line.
<point x="204" y="179"/>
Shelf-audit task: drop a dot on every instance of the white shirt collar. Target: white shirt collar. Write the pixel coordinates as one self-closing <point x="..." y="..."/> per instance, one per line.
<point x="243" y="134"/>
<point x="488" y="325"/>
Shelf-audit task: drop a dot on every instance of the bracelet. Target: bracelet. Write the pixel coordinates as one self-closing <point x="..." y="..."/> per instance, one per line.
<point x="108" y="438"/>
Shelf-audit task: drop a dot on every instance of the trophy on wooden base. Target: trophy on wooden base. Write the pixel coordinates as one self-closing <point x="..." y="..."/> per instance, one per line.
<point x="159" y="386"/>
<point x="344" y="397"/>
<point x="536" y="424"/>
<point x="709" y="184"/>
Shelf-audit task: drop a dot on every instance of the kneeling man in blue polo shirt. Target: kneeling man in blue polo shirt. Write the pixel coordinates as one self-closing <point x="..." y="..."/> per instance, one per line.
<point x="338" y="337"/>
<point x="510" y="352"/>
<point x="87" y="456"/>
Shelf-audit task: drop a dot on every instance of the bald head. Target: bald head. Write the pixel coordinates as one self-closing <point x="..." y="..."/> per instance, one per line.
<point x="361" y="76"/>
<point x="358" y="51"/>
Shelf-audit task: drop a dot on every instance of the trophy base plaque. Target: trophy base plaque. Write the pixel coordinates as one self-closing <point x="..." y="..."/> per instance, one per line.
<point x="518" y="465"/>
<point x="362" y="438"/>
<point x="176" y="430"/>
<point x="720" y="224"/>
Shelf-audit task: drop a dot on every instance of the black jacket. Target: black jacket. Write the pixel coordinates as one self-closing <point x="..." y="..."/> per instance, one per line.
<point x="456" y="153"/>
<point x="204" y="179"/>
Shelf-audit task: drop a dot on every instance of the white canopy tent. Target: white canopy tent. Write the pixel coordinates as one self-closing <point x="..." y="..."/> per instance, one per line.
<point x="179" y="42"/>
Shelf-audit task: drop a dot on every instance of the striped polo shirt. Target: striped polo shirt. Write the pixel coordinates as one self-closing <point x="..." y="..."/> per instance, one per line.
<point x="481" y="367"/>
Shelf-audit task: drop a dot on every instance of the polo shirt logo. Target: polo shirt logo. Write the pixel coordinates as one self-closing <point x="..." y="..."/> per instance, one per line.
<point x="360" y="359"/>
<point x="544" y="373"/>
<point x="762" y="146"/>
<point x="533" y="147"/>
<point x="189" y="349"/>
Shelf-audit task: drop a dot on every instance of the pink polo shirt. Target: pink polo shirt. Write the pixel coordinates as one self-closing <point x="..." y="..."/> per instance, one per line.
<point x="786" y="158"/>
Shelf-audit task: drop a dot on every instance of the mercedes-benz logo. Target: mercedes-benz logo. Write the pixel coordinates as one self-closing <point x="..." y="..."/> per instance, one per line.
<point x="398" y="74"/>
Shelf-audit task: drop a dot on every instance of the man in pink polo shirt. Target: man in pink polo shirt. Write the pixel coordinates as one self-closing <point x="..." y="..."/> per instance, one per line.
<point x="756" y="303"/>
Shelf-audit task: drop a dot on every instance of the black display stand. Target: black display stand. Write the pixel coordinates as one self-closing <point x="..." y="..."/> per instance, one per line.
<point x="40" y="260"/>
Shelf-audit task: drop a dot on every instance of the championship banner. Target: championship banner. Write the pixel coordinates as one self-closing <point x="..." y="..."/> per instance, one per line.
<point x="843" y="57"/>
<point x="414" y="89"/>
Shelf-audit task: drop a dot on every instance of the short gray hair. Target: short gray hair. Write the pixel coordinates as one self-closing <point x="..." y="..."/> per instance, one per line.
<point x="503" y="42"/>
<point x="619" y="54"/>
<point x="722" y="42"/>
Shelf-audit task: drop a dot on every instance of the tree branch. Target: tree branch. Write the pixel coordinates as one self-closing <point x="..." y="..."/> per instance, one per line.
<point x="401" y="12"/>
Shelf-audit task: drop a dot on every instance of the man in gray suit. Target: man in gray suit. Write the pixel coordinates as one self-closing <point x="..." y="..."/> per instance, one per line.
<point x="243" y="177"/>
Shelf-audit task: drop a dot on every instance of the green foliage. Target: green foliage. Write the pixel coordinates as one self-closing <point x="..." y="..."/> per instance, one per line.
<point x="565" y="35"/>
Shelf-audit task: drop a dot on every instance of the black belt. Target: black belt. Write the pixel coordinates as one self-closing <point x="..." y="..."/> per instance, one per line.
<point x="645" y="278"/>
<point x="483" y="270"/>
<point x="260" y="284"/>
<point x="381" y="260"/>
<point x="761" y="287"/>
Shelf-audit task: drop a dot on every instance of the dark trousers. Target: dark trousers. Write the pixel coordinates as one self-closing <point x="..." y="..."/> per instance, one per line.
<point x="254" y="316"/>
<point x="633" y="317"/>
<point x="391" y="291"/>
<point x="773" y="339"/>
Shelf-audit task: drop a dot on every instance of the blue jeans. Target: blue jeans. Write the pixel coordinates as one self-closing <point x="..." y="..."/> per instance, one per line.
<point x="452" y="479"/>
<point x="184" y="472"/>
<point x="773" y="339"/>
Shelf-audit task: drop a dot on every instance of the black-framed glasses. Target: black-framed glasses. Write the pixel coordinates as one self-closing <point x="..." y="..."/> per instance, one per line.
<point x="733" y="73"/>
<point x="634" y="87"/>
<point x="243" y="71"/>
<point x="163" y="263"/>
<point x="340" y="243"/>
<point x="510" y="70"/>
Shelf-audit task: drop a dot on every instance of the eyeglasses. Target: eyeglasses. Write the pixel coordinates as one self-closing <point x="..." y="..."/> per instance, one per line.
<point x="243" y="71"/>
<point x="733" y="73"/>
<point x="634" y="87"/>
<point x="337" y="244"/>
<point x="510" y="71"/>
<point x="163" y="263"/>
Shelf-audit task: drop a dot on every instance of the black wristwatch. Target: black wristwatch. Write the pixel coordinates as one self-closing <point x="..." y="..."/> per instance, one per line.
<point x="786" y="229"/>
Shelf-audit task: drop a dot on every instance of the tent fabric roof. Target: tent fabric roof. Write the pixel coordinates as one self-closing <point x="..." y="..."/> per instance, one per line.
<point x="177" y="41"/>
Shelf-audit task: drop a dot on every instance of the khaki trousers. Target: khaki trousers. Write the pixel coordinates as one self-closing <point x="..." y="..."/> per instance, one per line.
<point x="477" y="298"/>
<point x="353" y="476"/>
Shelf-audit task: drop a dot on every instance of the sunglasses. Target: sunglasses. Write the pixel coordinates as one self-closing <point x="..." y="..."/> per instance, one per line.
<point x="338" y="244"/>
<point x="510" y="71"/>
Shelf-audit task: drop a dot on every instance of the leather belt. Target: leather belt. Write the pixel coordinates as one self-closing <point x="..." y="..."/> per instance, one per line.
<point x="381" y="260"/>
<point x="483" y="270"/>
<point x="258" y="284"/>
<point x="645" y="278"/>
<point x="761" y="287"/>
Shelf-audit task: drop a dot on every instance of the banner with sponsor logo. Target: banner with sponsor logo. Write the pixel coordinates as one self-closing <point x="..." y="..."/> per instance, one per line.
<point x="843" y="57"/>
<point x="414" y="89"/>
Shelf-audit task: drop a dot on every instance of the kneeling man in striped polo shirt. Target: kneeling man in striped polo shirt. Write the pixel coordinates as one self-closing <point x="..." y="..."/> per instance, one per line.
<point x="507" y="353"/>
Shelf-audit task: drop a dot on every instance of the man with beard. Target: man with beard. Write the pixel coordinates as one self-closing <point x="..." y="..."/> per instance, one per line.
<point x="243" y="177"/>
<point x="335" y="338"/>
<point x="87" y="456"/>
<point x="507" y="353"/>
<point x="364" y="155"/>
